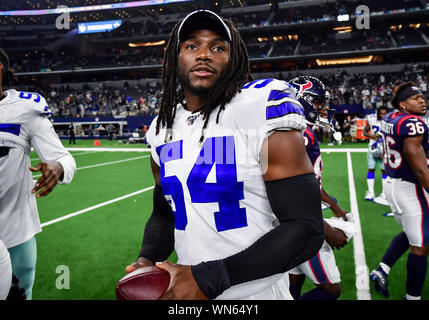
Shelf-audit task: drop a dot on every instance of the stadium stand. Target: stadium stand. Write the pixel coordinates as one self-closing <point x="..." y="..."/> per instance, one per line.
<point x="117" y="73"/>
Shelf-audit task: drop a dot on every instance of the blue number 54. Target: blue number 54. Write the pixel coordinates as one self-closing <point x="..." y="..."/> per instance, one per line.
<point x="226" y="191"/>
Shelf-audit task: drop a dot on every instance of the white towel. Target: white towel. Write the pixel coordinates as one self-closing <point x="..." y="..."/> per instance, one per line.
<point x="348" y="227"/>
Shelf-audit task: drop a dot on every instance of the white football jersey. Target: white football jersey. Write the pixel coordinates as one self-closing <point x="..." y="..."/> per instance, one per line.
<point x="216" y="188"/>
<point x="5" y="271"/>
<point x="23" y="124"/>
<point x="375" y="126"/>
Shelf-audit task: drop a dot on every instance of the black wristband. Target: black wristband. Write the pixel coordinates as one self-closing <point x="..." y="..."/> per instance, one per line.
<point x="212" y="277"/>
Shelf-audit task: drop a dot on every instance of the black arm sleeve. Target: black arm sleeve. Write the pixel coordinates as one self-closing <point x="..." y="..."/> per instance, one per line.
<point x="296" y="203"/>
<point x="158" y="237"/>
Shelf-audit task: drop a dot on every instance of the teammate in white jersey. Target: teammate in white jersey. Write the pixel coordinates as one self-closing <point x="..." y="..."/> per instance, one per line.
<point x="375" y="154"/>
<point x="23" y="124"/>
<point x="5" y="271"/>
<point x="229" y="161"/>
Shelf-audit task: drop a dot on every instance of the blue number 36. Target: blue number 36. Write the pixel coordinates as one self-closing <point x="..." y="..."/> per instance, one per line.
<point x="226" y="191"/>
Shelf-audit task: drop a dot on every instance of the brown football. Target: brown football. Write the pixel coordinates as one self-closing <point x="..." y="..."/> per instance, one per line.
<point x="147" y="283"/>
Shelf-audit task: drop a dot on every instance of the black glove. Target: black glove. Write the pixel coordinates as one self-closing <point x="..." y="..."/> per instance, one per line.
<point x="16" y="293"/>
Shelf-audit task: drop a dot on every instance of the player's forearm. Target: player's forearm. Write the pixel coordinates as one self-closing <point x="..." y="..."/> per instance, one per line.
<point x="422" y="175"/>
<point x="328" y="199"/>
<point x="158" y="236"/>
<point x="297" y="239"/>
<point x="416" y="158"/>
<point x="49" y="148"/>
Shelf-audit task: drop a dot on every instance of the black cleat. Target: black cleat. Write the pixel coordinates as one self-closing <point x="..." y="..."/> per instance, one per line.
<point x="379" y="278"/>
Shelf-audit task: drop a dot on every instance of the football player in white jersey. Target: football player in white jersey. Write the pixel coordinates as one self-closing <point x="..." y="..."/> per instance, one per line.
<point x="235" y="193"/>
<point x="375" y="154"/>
<point x="5" y="271"/>
<point x="23" y="124"/>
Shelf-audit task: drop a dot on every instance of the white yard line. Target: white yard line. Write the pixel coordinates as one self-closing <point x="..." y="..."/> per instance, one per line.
<point x="104" y="164"/>
<point x="96" y="149"/>
<point x="68" y="216"/>
<point x="362" y="272"/>
<point x="344" y="150"/>
<point x="74" y="154"/>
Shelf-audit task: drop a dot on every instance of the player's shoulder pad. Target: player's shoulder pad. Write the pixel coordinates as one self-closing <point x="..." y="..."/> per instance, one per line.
<point x="411" y="125"/>
<point x="35" y="102"/>
<point x="275" y="98"/>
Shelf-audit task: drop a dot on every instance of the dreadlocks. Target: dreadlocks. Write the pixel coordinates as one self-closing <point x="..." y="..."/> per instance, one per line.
<point x="237" y="74"/>
<point x="8" y="76"/>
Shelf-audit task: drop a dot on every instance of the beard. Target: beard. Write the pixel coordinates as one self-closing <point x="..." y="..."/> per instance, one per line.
<point x="199" y="91"/>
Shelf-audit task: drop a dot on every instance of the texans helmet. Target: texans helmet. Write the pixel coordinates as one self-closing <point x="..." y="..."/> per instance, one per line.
<point x="310" y="90"/>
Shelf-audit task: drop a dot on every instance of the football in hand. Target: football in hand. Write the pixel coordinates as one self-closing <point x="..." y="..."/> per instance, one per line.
<point x="147" y="283"/>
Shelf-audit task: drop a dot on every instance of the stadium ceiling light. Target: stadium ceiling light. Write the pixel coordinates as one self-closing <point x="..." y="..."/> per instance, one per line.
<point x="108" y="6"/>
<point x="415" y="25"/>
<point x="343" y="17"/>
<point x="328" y="62"/>
<point x="146" y="44"/>
<point x="342" y="28"/>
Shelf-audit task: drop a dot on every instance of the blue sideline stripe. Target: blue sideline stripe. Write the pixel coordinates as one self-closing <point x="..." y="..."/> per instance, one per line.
<point x="10" y="128"/>
<point x="282" y="109"/>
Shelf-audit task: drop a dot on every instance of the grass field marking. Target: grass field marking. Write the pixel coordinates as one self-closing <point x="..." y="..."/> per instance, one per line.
<point x="361" y="269"/>
<point x="68" y="216"/>
<point x="97" y="149"/>
<point x="74" y="154"/>
<point x="344" y="149"/>
<point x="104" y="164"/>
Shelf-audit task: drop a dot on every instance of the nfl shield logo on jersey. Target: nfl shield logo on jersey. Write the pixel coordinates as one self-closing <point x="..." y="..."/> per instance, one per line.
<point x="191" y="119"/>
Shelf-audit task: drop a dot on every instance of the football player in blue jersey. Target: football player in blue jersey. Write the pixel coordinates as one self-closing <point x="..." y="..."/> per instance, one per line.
<point x="23" y="125"/>
<point x="320" y="269"/>
<point x="235" y="192"/>
<point x="406" y="155"/>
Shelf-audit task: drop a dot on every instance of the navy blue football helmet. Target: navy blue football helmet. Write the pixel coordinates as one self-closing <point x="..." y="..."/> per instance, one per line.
<point x="313" y="96"/>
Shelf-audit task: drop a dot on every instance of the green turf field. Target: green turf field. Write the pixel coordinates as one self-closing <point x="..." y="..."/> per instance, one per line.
<point x="99" y="242"/>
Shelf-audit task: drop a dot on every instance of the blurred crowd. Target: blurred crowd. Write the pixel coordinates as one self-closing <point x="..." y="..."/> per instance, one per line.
<point x="370" y="90"/>
<point x="103" y="100"/>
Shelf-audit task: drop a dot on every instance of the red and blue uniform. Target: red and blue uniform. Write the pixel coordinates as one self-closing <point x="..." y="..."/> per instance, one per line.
<point x="396" y="127"/>
<point x="322" y="268"/>
<point x="313" y="151"/>
<point x="407" y="198"/>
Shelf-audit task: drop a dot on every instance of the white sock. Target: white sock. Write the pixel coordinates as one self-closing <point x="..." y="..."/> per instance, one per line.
<point x="370" y="183"/>
<point x="408" y="297"/>
<point x="385" y="267"/>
